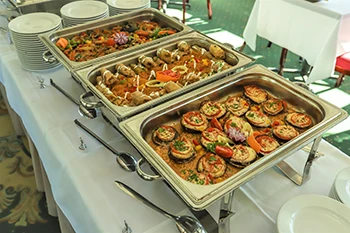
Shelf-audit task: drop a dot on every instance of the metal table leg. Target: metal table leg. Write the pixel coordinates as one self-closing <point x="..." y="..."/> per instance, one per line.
<point x="294" y="175"/>
<point x="225" y="213"/>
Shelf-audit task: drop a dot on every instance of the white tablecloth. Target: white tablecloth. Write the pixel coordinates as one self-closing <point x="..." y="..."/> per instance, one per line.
<point x="318" y="32"/>
<point x="82" y="181"/>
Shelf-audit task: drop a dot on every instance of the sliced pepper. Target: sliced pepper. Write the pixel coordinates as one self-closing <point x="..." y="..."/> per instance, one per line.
<point x="253" y="143"/>
<point x="167" y="75"/>
<point x="62" y="43"/>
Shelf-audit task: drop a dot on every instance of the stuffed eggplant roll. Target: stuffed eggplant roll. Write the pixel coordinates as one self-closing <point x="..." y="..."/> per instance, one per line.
<point x="242" y="156"/>
<point x="212" y="164"/>
<point x="212" y="135"/>
<point x="194" y="121"/>
<point x="258" y="118"/>
<point x="255" y="93"/>
<point x="213" y="109"/>
<point x="164" y="134"/>
<point x="299" y="120"/>
<point x="181" y="150"/>
<point x="237" y="105"/>
<point x="285" y="132"/>
<point x="267" y="143"/>
<point x="273" y="106"/>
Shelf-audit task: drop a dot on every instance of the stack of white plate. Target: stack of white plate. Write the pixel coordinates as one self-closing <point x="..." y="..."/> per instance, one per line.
<point x="121" y="6"/>
<point x="313" y="213"/>
<point x="24" y="32"/>
<point x="79" y="12"/>
<point x="340" y="190"/>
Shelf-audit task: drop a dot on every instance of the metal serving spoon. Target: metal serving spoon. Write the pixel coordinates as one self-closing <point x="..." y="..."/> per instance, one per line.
<point x="185" y="224"/>
<point x="124" y="159"/>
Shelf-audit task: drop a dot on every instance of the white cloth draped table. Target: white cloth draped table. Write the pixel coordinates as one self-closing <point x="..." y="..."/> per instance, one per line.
<point x="83" y="181"/>
<point x="318" y="32"/>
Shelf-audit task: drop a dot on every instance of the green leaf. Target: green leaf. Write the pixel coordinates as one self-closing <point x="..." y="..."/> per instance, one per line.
<point x="161" y="130"/>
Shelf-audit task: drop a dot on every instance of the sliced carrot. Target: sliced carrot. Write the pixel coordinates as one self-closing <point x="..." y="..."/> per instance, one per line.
<point x="72" y="55"/>
<point x="62" y="42"/>
<point x="253" y="143"/>
<point x="167" y="75"/>
<point x="168" y="32"/>
<point x="142" y="32"/>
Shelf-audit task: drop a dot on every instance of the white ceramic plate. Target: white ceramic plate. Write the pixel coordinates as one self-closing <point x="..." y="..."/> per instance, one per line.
<point x="130" y="4"/>
<point x="38" y="69"/>
<point x="34" y="35"/>
<point x="84" y="9"/>
<point x="82" y="21"/>
<point x="34" y="23"/>
<point x="342" y="186"/>
<point x="85" y="20"/>
<point x="313" y="213"/>
<point x="126" y="10"/>
<point x="38" y="53"/>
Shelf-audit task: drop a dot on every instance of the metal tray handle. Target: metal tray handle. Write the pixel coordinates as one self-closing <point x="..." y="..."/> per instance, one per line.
<point x="89" y="105"/>
<point x="49" y="58"/>
<point x="143" y="174"/>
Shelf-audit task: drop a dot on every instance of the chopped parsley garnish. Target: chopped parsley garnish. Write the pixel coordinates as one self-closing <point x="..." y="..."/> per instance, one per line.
<point x="233" y="124"/>
<point x="211" y="146"/>
<point x="161" y="130"/>
<point x="194" y="178"/>
<point x="250" y="114"/>
<point x="212" y="158"/>
<point x="180" y="145"/>
<point x="197" y="121"/>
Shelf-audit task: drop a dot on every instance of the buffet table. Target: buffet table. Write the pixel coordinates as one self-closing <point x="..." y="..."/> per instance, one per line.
<point x="82" y="181"/>
<point x="318" y="32"/>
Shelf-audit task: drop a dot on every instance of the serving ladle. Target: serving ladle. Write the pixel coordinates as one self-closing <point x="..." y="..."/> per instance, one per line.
<point x="185" y="224"/>
<point x="124" y="159"/>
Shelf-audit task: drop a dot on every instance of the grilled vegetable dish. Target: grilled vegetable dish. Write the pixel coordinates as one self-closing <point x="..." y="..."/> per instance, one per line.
<point x="215" y="141"/>
<point x="168" y="71"/>
<point x="99" y="42"/>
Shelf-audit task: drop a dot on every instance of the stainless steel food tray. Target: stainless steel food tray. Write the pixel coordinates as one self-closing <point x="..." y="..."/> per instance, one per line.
<point x="50" y="39"/>
<point x="88" y="75"/>
<point x="324" y="114"/>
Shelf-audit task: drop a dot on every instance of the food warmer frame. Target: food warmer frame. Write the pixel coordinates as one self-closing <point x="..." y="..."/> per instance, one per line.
<point x="325" y="115"/>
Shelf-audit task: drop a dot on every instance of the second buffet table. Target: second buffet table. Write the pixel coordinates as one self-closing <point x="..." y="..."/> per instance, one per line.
<point x="318" y="32"/>
<point x="83" y="181"/>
